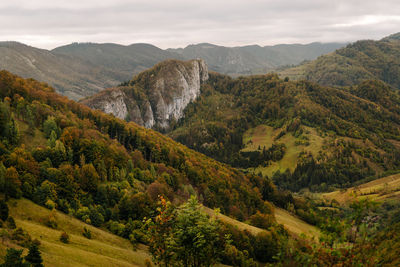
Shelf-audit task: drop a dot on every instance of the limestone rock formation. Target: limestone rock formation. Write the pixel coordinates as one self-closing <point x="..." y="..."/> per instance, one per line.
<point x="156" y="96"/>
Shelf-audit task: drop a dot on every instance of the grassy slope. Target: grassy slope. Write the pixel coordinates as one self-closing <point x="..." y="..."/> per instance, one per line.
<point x="104" y="249"/>
<point x="293" y="224"/>
<point x="30" y="141"/>
<point x="294" y="73"/>
<point x="380" y="189"/>
<point x="263" y="135"/>
<point x="240" y="225"/>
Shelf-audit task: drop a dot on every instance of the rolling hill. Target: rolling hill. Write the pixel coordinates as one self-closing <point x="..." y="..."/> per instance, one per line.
<point x="353" y="64"/>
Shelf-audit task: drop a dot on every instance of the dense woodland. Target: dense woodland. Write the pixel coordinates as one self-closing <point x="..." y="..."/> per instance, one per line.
<point x="110" y="173"/>
<point x="359" y="61"/>
<point x="137" y="183"/>
<point x="353" y="117"/>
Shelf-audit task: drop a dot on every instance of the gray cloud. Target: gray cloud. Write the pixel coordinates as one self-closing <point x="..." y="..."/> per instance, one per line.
<point x="177" y="23"/>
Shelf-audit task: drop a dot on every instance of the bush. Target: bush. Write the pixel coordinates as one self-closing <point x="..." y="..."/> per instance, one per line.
<point x="87" y="233"/>
<point x="21" y="237"/>
<point x="51" y="220"/>
<point x="13" y="258"/>
<point x="262" y="220"/>
<point x="11" y="223"/>
<point x="3" y="210"/>
<point x="50" y="204"/>
<point x="64" y="238"/>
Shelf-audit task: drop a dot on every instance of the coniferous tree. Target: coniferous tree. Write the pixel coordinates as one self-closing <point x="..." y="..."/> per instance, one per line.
<point x="34" y="256"/>
<point x="3" y="210"/>
<point x="13" y="259"/>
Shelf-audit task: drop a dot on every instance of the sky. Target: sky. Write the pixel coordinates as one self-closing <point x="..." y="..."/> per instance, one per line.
<point x="178" y="23"/>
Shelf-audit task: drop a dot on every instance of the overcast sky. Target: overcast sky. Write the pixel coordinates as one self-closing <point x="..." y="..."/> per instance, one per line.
<point x="177" y="23"/>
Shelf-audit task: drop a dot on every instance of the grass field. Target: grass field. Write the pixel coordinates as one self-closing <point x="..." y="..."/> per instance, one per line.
<point x="240" y="225"/>
<point x="104" y="249"/>
<point x="294" y="73"/>
<point x="293" y="224"/>
<point x="264" y="135"/>
<point x="378" y="190"/>
<point x="38" y="139"/>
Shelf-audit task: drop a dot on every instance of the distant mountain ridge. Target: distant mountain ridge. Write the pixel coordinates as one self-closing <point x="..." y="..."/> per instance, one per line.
<point x="127" y="60"/>
<point x="72" y="77"/>
<point x="79" y="70"/>
<point x="254" y="59"/>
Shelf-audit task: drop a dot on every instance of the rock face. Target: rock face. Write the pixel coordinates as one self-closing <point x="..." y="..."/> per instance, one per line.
<point x="156" y="96"/>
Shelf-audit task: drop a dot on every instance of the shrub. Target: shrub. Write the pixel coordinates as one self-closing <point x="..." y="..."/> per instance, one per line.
<point x="21" y="237"/>
<point x="262" y="220"/>
<point x="87" y="233"/>
<point x="3" y="210"/>
<point x="51" y="220"/>
<point x="11" y="223"/>
<point x="64" y="238"/>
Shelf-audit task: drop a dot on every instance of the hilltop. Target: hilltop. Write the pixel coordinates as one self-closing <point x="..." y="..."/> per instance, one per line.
<point x="353" y="64"/>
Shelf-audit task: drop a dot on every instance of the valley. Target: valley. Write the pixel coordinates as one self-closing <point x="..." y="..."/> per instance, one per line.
<point x="179" y="165"/>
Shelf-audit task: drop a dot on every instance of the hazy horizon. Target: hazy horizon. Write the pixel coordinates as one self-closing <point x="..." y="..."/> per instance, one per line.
<point x="177" y="23"/>
<point x="116" y="43"/>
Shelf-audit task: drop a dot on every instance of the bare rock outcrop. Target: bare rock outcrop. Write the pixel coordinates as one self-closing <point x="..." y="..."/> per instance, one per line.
<point x="156" y="96"/>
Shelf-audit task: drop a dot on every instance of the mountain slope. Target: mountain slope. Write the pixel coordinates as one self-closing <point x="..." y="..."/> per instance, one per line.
<point x="357" y="62"/>
<point x="321" y="134"/>
<point x="110" y="173"/>
<point x="70" y="76"/>
<point x="103" y="248"/>
<point x="254" y="59"/>
<point x="127" y="60"/>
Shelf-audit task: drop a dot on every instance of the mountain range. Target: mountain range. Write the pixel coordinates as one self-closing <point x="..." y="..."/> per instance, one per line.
<point x="82" y="69"/>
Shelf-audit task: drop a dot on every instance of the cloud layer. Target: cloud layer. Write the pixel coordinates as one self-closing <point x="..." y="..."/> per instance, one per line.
<point x="177" y="23"/>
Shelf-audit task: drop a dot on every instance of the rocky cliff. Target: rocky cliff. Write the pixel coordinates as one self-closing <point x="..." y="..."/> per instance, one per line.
<point x="156" y="96"/>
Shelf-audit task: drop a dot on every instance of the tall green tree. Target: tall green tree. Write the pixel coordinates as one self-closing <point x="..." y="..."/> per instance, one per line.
<point x="50" y="125"/>
<point x="34" y="257"/>
<point x="160" y="229"/>
<point x="3" y="210"/>
<point x="13" y="258"/>
<point x="185" y="236"/>
<point x="196" y="238"/>
<point x="12" y="183"/>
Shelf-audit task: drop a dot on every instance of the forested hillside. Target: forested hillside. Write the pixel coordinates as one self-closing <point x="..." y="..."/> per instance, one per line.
<point x="134" y="182"/>
<point x="320" y="135"/>
<point x="355" y="63"/>
<point x="110" y="173"/>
